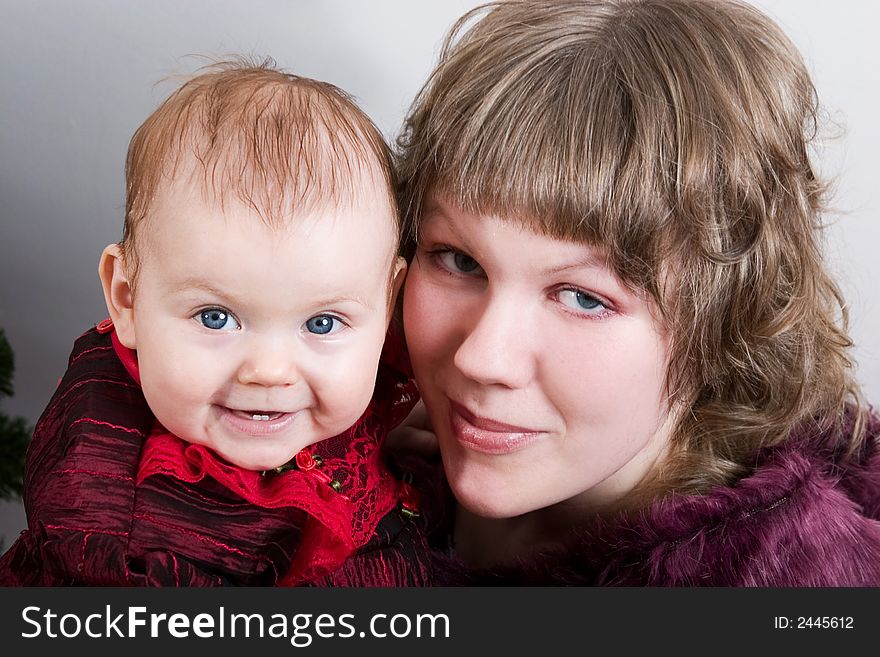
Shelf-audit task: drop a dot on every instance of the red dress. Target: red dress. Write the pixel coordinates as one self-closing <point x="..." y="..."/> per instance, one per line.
<point x="112" y="499"/>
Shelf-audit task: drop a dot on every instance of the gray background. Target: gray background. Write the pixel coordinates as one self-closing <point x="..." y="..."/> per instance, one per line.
<point x="78" y="77"/>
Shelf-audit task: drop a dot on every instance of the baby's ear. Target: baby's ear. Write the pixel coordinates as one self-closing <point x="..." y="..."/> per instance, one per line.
<point x="117" y="294"/>
<point x="398" y="275"/>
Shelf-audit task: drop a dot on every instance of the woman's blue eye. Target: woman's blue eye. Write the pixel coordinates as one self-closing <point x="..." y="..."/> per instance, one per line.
<point x="323" y="324"/>
<point x="580" y="300"/>
<point x="218" y="319"/>
<point x="465" y="263"/>
<point x="458" y="262"/>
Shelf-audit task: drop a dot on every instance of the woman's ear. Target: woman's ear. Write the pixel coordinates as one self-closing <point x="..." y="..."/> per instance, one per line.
<point x="117" y="294"/>
<point x="397" y="278"/>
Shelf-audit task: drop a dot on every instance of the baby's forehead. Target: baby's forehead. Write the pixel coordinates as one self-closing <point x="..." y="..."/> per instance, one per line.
<point x="188" y="209"/>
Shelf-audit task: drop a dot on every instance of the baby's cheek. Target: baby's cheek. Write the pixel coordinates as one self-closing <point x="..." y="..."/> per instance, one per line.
<point x="343" y="398"/>
<point x="179" y="387"/>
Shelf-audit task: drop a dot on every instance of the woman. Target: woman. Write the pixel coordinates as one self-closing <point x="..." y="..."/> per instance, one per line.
<point x="627" y="342"/>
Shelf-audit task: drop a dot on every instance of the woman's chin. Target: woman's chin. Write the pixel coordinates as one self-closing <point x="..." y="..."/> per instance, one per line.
<point x="488" y="500"/>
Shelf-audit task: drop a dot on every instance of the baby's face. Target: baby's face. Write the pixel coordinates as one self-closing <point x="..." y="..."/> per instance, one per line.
<point x="257" y="342"/>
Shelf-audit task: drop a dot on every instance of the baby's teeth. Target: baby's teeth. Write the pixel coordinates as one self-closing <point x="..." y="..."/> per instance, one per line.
<point x="255" y="416"/>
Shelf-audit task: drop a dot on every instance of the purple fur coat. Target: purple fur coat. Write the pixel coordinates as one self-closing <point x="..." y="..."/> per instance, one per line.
<point x="799" y="519"/>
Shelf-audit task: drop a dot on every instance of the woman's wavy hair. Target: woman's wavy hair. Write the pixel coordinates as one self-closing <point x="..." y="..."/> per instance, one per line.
<point x="676" y="136"/>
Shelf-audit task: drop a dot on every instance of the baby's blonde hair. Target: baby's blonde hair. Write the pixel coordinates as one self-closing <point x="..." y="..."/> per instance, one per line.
<point x="675" y="136"/>
<point x="277" y="142"/>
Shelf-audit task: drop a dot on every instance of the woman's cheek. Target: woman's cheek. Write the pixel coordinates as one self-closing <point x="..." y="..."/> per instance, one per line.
<point x="427" y="313"/>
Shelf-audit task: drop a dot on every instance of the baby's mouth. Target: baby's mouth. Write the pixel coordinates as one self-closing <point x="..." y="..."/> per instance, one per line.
<point x="256" y="421"/>
<point x="259" y="416"/>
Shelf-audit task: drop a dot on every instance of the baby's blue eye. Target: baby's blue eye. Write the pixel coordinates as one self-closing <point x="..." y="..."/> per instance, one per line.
<point x="580" y="300"/>
<point x="218" y="319"/>
<point x="323" y="324"/>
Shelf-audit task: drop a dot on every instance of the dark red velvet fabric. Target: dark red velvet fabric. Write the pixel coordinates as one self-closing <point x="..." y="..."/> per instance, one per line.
<point x="112" y="499"/>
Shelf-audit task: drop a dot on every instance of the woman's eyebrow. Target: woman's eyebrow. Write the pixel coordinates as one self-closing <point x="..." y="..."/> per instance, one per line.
<point x="433" y="210"/>
<point x="436" y="214"/>
<point x="590" y="260"/>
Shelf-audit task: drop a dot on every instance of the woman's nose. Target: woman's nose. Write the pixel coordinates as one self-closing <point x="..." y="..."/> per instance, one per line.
<point x="496" y="347"/>
<point x="269" y="362"/>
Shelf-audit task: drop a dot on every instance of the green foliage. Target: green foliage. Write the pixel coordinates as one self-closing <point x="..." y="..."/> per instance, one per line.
<point x="7" y="366"/>
<point x="14" y="432"/>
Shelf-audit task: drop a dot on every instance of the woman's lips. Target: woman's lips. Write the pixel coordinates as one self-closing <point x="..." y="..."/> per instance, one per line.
<point x="488" y="436"/>
<point x="255" y="423"/>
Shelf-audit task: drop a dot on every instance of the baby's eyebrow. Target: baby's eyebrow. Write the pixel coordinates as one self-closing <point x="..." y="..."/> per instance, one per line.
<point x="197" y="285"/>
<point x="336" y="300"/>
<point x="203" y="285"/>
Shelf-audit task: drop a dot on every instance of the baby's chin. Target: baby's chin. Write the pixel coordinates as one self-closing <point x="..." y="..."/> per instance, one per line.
<point x="256" y="460"/>
<point x="258" y="464"/>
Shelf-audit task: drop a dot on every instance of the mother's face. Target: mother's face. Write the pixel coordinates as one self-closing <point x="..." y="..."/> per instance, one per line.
<point x="543" y="375"/>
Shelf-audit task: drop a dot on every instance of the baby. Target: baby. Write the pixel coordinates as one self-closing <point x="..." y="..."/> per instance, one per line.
<point x="224" y="425"/>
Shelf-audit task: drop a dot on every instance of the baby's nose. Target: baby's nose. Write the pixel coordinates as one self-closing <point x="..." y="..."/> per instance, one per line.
<point x="269" y="363"/>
